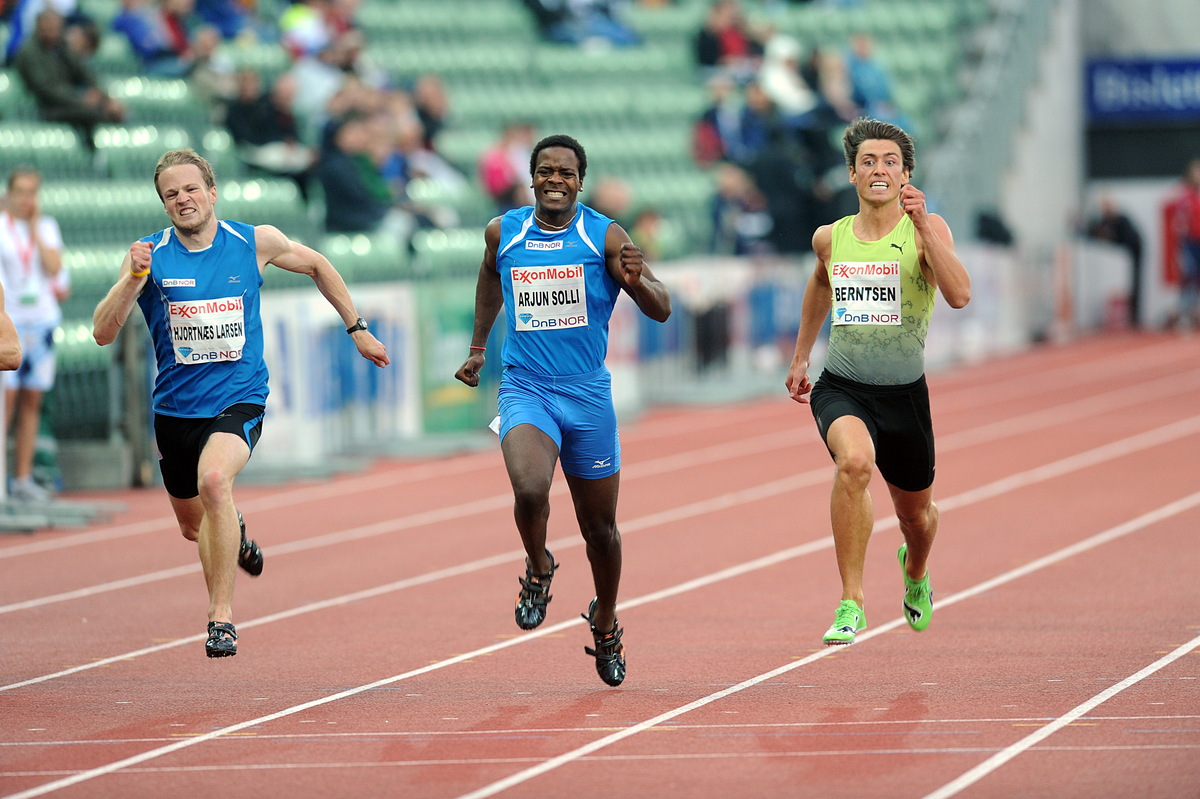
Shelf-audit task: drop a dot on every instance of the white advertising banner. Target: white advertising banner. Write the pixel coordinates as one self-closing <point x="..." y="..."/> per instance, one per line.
<point x="326" y="398"/>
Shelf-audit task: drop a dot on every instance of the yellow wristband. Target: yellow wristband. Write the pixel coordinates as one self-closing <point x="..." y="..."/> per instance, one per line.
<point x="139" y="274"/>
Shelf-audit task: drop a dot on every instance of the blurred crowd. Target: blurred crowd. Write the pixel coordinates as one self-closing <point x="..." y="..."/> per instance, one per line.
<point x="365" y="144"/>
<point x="773" y="130"/>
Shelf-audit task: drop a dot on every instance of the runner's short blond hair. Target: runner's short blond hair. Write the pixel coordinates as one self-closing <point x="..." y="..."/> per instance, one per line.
<point x="181" y="158"/>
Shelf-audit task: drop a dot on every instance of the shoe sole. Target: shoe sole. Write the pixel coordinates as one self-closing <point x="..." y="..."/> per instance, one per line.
<point x="219" y="654"/>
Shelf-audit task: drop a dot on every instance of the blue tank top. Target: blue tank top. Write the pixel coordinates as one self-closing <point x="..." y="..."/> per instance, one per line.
<point x="203" y="312"/>
<point x="558" y="294"/>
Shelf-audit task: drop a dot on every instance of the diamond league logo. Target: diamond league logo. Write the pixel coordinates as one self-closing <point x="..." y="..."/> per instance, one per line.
<point x="841" y="312"/>
<point x="525" y="317"/>
<point x="185" y="351"/>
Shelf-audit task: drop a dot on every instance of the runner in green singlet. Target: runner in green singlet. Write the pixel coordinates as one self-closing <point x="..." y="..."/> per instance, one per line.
<point x="877" y="272"/>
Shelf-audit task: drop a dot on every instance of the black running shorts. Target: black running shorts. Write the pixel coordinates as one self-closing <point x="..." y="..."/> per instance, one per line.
<point x="180" y="441"/>
<point x="897" y="418"/>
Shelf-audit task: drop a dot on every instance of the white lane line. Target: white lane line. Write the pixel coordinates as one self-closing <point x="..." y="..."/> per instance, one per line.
<point x="1141" y="522"/>
<point x="668" y="463"/>
<point x="766" y="725"/>
<point x="1008" y="753"/>
<point x="513" y="761"/>
<point x="1083" y="460"/>
<point x="1026" y="423"/>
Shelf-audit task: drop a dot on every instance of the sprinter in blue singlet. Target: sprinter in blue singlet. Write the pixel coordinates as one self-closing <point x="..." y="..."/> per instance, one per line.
<point x="197" y="283"/>
<point x="557" y="268"/>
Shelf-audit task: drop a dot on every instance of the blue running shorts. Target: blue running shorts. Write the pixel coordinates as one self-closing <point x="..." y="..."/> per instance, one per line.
<point x="574" y="410"/>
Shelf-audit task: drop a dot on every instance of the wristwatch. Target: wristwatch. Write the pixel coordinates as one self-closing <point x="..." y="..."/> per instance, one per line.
<point x="361" y="324"/>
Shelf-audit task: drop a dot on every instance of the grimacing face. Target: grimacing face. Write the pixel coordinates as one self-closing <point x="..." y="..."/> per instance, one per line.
<point x="186" y="199"/>
<point x="556" y="181"/>
<point x="879" y="171"/>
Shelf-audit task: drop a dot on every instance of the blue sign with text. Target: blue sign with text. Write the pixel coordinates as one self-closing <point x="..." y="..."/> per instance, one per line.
<point x="1143" y="90"/>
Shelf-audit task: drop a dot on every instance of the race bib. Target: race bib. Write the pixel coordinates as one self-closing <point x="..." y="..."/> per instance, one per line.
<point x="866" y="293"/>
<point x="549" y="297"/>
<point x="205" y="331"/>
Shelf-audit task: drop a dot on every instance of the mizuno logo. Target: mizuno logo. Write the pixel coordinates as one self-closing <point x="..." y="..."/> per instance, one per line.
<point x="237" y="279"/>
<point x="603" y="464"/>
<point x="899" y="247"/>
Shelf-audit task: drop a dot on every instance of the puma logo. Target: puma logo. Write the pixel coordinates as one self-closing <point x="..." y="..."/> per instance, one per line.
<point x="899" y="247"/>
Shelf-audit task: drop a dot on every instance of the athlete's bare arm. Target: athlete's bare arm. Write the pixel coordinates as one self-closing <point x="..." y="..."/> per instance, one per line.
<point x="628" y="267"/>
<point x="110" y="315"/>
<point x="935" y="249"/>
<point x="489" y="299"/>
<point x="818" y="299"/>
<point x="10" y="342"/>
<point x="275" y="248"/>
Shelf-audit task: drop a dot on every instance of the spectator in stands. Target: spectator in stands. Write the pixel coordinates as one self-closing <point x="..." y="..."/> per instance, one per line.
<point x="784" y="175"/>
<point x="332" y="87"/>
<point x="212" y="77"/>
<point x="31" y="260"/>
<point x="733" y="128"/>
<point x="229" y="17"/>
<point x="432" y="106"/>
<point x="357" y="199"/>
<point x="648" y="232"/>
<point x="22" y="19"/>
<point x="872" y="86"/>
<point x="726" y="43"/>
<point x="782" y="82"/>
<point x="613" y="198"/>
<point x="740" y="216"/>
<point x="158" y="34"/>
<point x="582" y="22"/>
<point x="1117" y="228"/>
<point x="504" y="167"/>
<point x="265" y="130"/>
<point x="64" y="89"/>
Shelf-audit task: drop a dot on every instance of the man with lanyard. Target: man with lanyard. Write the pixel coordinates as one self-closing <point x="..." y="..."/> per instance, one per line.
<point x="558" y="268"/>
<point x="197" y="283"/>
<point x="878" y="270"/>
<point x="31" y="257"/>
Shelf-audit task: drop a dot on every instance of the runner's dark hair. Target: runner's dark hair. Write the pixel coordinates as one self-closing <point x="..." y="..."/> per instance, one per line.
<point x="559" y="140"/>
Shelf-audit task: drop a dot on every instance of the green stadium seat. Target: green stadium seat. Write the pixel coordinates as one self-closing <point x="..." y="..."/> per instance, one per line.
<point x="447" y="253"/>
<point x="93" y="272"/>
<point x="133" y="152"/>
<point x="83" y="393"/>
<point x="15" y="102"/>
<point x="54" y="150"/>
<point x="160" y="101"/>
<point x="367" y="259"/>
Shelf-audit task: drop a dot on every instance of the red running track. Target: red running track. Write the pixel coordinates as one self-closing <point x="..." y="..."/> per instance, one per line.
<point x="378" y="655"/>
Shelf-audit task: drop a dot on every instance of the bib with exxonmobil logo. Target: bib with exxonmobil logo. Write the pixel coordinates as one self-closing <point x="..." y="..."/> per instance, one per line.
<point x="866" y="293"/>
<point x="549" y="297"/>
<point x="204" y="331"/>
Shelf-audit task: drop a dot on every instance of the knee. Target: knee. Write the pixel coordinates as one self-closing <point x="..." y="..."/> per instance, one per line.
<point x="854" y="469"/>
<point x="189" y="532"/>
<point x="602" y="537"/>
<point x="531" y="498"/>
<point x="215" y="486"/>
<point x="919" y="521"/>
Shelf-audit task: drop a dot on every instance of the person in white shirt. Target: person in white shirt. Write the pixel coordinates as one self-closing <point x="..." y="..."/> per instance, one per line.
<point x="31" y="260"/>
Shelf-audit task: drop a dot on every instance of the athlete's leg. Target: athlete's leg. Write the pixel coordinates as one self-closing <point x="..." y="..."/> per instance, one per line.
<point x="529" y="456"/>
<point x="596" y="509"/>
<point x="223" y="457"/>
<point x="189" y="513"/>
<point x="29" y="409"/>
<point x="918" y="517"/>
<point x="850" y="507"/>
